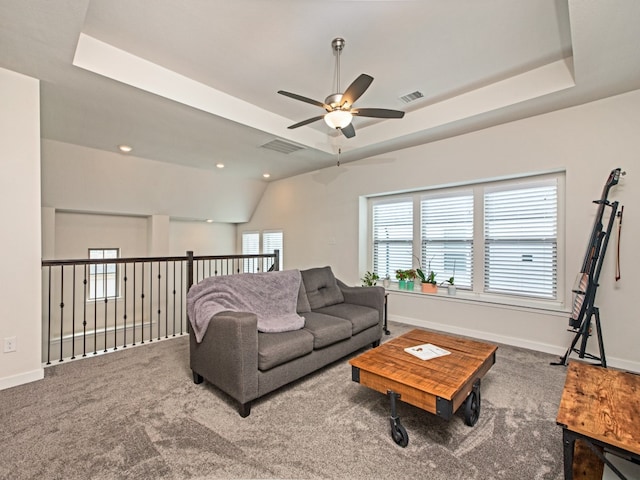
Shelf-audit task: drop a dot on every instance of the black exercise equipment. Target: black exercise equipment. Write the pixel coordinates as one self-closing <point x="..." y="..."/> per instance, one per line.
<point x="584" y="308"/>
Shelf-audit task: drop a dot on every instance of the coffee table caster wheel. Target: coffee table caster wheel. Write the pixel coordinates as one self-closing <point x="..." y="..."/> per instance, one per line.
<point x="472" y="406"/>
<point x="399" y="433"/>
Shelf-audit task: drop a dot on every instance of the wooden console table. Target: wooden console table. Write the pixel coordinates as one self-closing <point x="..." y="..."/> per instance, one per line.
<point x="600" y="408"/>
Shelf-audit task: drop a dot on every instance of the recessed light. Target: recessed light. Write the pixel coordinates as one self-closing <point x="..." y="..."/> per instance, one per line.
<point x="125" y="148"/>
<point x="209" y="221"/>
<point x="266" y="175"/>
<point x="220" y="165"/>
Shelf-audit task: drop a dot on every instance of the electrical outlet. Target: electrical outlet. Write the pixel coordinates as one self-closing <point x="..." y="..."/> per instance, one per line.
<point x="10" y="344"/>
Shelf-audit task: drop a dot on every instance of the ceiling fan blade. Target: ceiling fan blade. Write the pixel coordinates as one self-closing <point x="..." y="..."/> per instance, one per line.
<point x="304" y="99"/>
<point x="356" y="89"/>
<point x="377" y="113"/>
<point x="306" y="122"/>
<point x="348" y="131"/>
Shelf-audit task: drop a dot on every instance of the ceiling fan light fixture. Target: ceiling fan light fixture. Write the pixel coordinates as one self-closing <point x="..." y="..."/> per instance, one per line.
<point x="340" y="105"/>
<point x="338" y="118"/>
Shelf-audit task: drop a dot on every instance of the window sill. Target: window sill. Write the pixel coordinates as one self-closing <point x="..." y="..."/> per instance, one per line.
<point x="499" y="301"/>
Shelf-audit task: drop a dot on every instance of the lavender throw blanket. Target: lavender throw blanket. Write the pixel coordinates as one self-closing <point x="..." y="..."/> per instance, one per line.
<point x="272" y="296"/>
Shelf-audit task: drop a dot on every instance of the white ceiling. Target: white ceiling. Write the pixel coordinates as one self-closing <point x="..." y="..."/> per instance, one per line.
<point x="195" y="82"/>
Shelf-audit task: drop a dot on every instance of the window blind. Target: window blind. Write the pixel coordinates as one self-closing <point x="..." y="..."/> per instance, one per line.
<point x="392" y="237"/>
<point x="447" y="237"/>
<point x="272" y="241"/>
<point x="520" y="237"/>
<point x="250" y="246"/>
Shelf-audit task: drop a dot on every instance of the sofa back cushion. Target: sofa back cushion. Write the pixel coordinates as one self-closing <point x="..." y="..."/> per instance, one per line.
<point x="303" y="302"/>
<point x="322" y="287"/>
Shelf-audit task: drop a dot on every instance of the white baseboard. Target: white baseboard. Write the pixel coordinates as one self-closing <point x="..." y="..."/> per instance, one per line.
<point x="615" y="362"/>
<point x="21" y="378"/>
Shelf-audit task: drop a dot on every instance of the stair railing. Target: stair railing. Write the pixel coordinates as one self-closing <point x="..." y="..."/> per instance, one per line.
<point x="93" y="306"/>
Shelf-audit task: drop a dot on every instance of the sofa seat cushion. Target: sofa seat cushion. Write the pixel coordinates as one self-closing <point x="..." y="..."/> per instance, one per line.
<point x="361" y="317"/>
<point x="321" y="287"/>
<point x="277" y="348"/>
<point x="326" y="329"/>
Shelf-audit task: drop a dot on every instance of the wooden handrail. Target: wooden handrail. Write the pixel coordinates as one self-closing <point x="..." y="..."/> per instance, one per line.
<point x="100" y="261"/>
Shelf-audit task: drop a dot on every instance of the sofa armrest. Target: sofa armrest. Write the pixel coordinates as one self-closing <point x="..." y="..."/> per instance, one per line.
<point x="227" y="357"/>
<point x="367" y="296"/>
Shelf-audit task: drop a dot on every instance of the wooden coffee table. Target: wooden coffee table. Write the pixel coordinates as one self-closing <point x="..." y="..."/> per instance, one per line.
<point x="439" y="385"/>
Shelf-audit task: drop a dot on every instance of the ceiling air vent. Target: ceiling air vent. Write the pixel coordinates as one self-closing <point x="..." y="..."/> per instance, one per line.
<point x="411" y="97"/>
<point x="282" y="146"/>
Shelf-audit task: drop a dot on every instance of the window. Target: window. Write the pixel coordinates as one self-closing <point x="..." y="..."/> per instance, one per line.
<point x="103" y="277"/>
<point x="250" y="246"/>
<point x="447" y="237"/>
<point x="392" y="237"/>
<point x="520" y="240"/>
<point x="251" y="242"/>
<point x="272" y="241"/>
<point x="494" y="238"/>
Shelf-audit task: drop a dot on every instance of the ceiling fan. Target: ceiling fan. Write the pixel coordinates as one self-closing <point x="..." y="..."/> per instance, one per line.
<point x="339" y="106"/>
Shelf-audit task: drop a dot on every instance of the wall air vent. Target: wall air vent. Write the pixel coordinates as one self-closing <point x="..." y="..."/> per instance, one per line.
<point x="282" y="146"/>
<point x="411" y="97"/>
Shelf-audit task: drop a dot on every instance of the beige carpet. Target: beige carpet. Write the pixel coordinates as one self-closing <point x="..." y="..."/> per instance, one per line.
<point x="136" y="414"/>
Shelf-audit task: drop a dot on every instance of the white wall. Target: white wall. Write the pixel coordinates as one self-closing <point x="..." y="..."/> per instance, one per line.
<point x="319" y="213"/>
<point x="202" y="238"/>
<point x="75" y="233"/>
<point x="76" y="178"/>
<point x="69" y="235"/>
<point x="91" y="196"/>
<point x="20" y="247"/>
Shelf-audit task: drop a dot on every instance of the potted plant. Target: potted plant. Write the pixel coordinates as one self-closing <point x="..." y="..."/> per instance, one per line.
<point x="401" y="276"/>
<point x="411" y="276"/>
<point x="386" y="282"/>
<point x="451" y="288"/>
<point x="429" y="284"/>
<point x="370" y="279"/>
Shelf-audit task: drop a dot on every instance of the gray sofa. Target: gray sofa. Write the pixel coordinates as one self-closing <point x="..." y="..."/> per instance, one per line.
<point x="247" y="364"/>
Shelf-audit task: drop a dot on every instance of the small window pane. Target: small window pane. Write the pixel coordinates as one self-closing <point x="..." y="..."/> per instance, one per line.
<point x="103" y="278"/>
